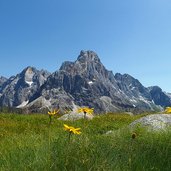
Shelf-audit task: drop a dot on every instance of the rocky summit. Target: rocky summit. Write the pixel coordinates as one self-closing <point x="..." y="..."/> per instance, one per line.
<point x="17" y="90"/>
<point x="85" y="82"/>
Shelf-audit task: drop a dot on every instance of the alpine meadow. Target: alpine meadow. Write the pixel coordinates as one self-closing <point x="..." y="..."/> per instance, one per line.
<point x="85" y="85"/>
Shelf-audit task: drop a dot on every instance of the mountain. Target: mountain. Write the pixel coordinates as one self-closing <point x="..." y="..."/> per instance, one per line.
<point x="85" y="82"/>
<point x="17" y="90"/>
<point x="159" y="97"/>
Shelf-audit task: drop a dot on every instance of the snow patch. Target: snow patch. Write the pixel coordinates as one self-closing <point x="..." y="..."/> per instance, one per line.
<point x="119" y="90"/>
<point x="29" y="82"/>
<point x="22" y="104"/>
<point x="90" y="82"/>
<point x="133" y="100"/>
<point x="133" y="88"/>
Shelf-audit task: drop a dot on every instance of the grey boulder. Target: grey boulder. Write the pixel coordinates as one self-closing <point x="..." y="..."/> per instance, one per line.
<point x="153" y="122"/>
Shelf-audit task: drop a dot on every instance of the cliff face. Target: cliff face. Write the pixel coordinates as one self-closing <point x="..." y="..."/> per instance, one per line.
<point x="18" y="89"/>
<point x="159" y="97"/>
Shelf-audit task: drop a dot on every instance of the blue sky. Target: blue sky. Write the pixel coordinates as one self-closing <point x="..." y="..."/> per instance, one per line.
<point x="130" y="36"/>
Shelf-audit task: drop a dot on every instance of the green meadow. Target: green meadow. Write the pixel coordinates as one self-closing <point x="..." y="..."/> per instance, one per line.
<point x="106" y="143"/>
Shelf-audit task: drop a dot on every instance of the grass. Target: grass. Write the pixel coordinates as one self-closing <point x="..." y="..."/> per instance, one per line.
<point x="27" y="142"/>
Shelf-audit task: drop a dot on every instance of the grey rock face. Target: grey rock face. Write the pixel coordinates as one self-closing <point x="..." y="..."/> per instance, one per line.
<point x="131" y="86"/>
<point x="2" y="82"/>
<point x="86" y="82"/>
<point x="18" y="89"/>
<point x="159" y="97"/>
<point x="139" y="96"/>
<point x="154" y="122"/>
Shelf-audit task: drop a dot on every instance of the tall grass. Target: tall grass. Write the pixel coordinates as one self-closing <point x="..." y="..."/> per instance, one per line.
<point x="29" y="143"/>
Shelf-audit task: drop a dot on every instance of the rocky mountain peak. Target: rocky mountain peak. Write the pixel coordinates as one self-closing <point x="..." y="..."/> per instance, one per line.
<point x="87" y="65"/>
<point x="159" y="97"/>
<point x="28" y="69"/>
<point x="154" y="88"/>
<point x="90" y="65"/>
<point x="29" y="75"/>
<point x="2" y="80"/>
<point x="18" y="89"/>
<point x="88" y="56"/>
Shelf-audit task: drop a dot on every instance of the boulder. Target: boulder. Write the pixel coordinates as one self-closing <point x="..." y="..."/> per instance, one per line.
<point x="75" y="116"/>
<point x="154" y="121"/>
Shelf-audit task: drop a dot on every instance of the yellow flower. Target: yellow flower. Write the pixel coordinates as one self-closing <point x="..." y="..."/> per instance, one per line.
<point x="167" y="110"/>
<point x="86" y="110"/>
<point x="72" y="129"/>
<point x="52" y="113"/>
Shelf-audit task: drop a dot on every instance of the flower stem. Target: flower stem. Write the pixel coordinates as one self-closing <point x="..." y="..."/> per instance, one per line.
<point x="50" y="120"/>
<point x="84" y="115"/>
<point x="69" y="137"/>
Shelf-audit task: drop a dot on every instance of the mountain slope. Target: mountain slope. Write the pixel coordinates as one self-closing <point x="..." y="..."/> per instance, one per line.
<point x="18" y="89"/>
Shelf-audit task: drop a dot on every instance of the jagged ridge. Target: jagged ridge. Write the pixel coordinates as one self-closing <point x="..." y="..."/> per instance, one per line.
<point x="85" y="82"/>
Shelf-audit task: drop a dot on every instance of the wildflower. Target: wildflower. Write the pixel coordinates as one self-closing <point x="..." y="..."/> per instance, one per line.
<point x="167" y="110"/>
<point x="86" y="110"/>
<point x="52" y="113"/>
<point x="71" y="129"/>
<point x="134" y="135"/>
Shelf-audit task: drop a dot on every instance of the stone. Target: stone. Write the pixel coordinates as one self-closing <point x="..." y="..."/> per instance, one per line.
<point x="153" y="122"/>
<point x="75" y="116"/>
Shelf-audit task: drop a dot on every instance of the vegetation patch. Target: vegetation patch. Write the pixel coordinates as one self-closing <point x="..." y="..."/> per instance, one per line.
<point x="29" y="142"/>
